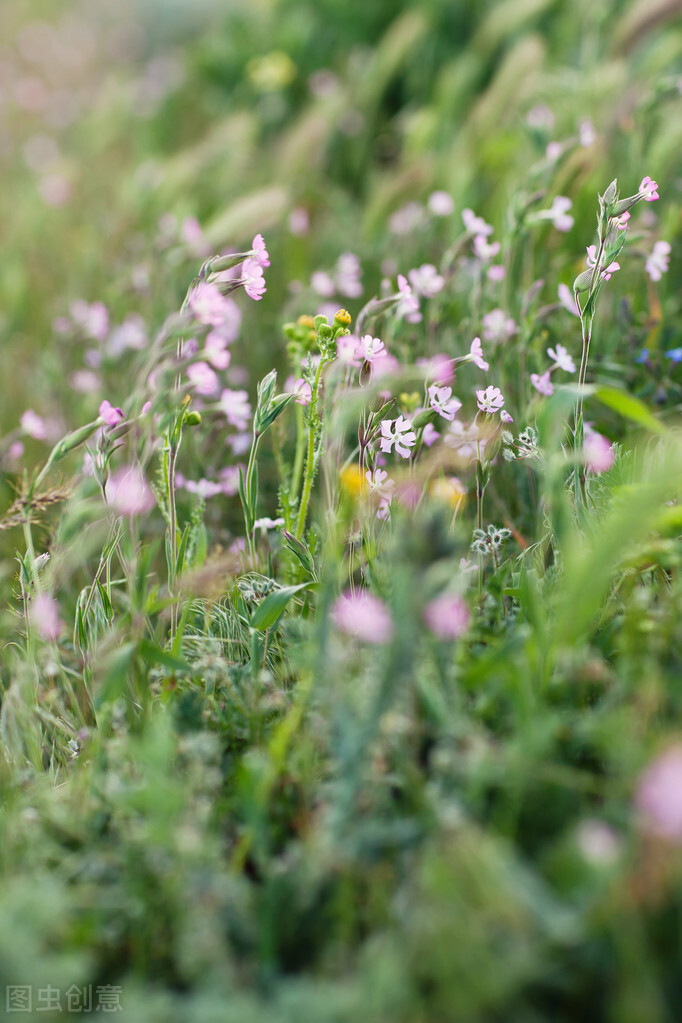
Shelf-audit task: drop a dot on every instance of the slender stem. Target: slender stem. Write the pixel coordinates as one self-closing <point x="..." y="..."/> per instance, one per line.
<point x="310" y="457"/>
<point x="173" y="538"/>
<point x="298" y="457"/>
<point x="579" y="431"/>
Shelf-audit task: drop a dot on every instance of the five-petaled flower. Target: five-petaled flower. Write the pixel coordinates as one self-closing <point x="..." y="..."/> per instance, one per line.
<point x="372" y="348"/>
<point x="648" y="189"/>
<point x="253" y="279"/>
<point x="441" y="400"/>
<point x="491" y="400"/>
<point x="398" y="433"/>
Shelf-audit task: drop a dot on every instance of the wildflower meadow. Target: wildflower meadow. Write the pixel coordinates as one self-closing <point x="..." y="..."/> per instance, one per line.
<point x="340" y="480"/>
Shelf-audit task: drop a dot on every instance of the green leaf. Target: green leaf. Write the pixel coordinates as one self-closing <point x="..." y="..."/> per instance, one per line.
<point x="267" y="613"/>
<point x="106" y="603"/>
<point x="153" y="654"/>
<point x="301" y="551"/>
<point x="629" y="407"/>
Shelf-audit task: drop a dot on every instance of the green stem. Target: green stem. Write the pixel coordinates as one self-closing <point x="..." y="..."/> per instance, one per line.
<point x="310" y="458"/>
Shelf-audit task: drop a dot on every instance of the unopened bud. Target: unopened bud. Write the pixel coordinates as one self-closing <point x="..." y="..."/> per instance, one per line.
<point x="342" y="318"/>
<point x="583" y="281"/>
<point x="611" y="193"/>
<point x="192" y="419"/>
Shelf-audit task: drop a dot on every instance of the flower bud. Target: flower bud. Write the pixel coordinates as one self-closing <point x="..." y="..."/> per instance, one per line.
<point x="583" y="281"/>
<point x="611" y="193"/>
<point x="192" y="419"/>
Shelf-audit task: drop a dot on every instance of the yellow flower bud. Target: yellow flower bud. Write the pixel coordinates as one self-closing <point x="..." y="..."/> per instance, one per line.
<point x="343" y="317"/>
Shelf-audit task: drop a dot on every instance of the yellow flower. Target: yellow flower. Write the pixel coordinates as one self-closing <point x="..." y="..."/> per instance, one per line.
<point x="352" y="481"/>
<point x="452" y="491"/>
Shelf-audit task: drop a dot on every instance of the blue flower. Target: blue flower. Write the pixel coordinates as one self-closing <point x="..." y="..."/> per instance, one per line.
<point x="643" y="356"/>
<point x="675" y="354"/>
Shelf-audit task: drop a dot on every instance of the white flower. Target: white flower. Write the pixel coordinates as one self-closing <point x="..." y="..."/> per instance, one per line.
<point x="398" y="433"/>
<point x="372" y="348"/>
<point x="490" y="400"/>
<point x="562" y="359"/>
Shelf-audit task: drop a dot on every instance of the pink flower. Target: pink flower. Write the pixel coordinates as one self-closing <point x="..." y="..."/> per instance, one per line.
<point x="128" y="492"/>
<point x="372" y="348"/>
<point x="497" y="326"/>
<point x="430" y="435"/>
<point x="259" y="252"/>
<point x="440" y="399"/>
<point x="562" y="360"/>
<point x="587" y="133"/>
<point x="496" y="273"/>
<point x="111" y="416"/>
<point x="363" y="616"/>
<point x="483" y="249"/>
<point x="476" y="355"/>
<point x="299" y="221"/>
<point x="474" y="224"/>
<point x="398" y="433"/>
<point x="348" y="274"/>
<point x="203" y="488"/>
<point x="45" y="617"/>
<point x="92" y="319"/>
<point x="33" y="425"/>
<point x="606" y="272"/>
<point x="567" y="299"/>
<point x="202" y="378"/>
<point x="648" y="189"/>
<point x="235" y="405"/>
<point x="253" y="279"/>
<point x="228" y="328"/>
<point x="426" y="280"/>
<point x="215" y="350"/>
<point x="229" y="480"/>
<point x="194" y="237"/>
<point x="490" y="400"/>
<point x="505" y="417"/>
<point x="407" y="306"/>
<point x="441" y="203"/>
<point x="598" y="453"/>
<point x="440" y="368"/>
<point x="622" y="221"/>
<point x="322" y="283"/>
<point x="542" y="383"/>
<point x="208" y="305"/>
<point x="447" y="617"/>
<point x="300" y="389"/>
<point x="559" y="213"/>
<point x="657" y="263"/>
<point x="349" y="350"/>
<point x="658" y="797"/>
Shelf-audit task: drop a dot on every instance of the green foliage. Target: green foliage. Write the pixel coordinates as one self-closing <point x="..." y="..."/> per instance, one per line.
<point x="210" y="794"/>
